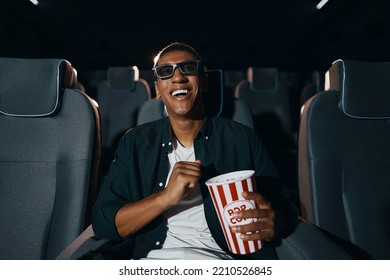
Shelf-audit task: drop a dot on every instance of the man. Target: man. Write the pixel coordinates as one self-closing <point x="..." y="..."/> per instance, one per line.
<point x="155" y="193"/>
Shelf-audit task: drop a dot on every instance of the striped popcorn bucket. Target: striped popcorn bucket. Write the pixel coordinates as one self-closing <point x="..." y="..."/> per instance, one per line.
<point x="226" y="193"/>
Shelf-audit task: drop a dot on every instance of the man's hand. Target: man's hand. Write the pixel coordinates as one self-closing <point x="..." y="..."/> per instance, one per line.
<point x="184" y="177"/>
<point x="264" y="226"/>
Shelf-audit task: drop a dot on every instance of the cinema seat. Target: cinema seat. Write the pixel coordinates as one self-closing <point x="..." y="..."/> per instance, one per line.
<point x="344" y="157"/>
<point x="49" y="158"/>
<point x="119" y="96"/>
<point x="268" y="100"/>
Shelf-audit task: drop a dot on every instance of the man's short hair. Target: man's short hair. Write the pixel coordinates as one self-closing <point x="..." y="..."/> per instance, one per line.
<point x="176" y="46"/>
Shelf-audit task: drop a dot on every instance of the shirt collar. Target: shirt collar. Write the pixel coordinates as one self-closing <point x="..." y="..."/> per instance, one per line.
<point x="167" y="138"/>
<point x="205" y="129"/>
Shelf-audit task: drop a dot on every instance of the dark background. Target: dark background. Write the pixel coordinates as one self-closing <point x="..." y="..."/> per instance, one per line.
<point x="289" y="34"/>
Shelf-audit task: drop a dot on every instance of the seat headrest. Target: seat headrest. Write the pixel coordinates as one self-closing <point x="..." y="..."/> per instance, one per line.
<point x="33" y="87"/>
<point x="262" y="79"/>
<point x="122" y="78"/>
<point x="364" y="88"/>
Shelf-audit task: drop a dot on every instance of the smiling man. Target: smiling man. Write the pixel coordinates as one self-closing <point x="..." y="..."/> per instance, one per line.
<point x="155" y="193"/>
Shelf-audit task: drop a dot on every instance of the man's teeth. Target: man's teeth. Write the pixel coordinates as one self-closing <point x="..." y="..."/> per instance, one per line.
<point x="179" y="91"/>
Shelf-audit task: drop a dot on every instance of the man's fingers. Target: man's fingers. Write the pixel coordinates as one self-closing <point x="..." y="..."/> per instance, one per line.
<point x="257" y="230"/>
<point x="186" y="173"/>
<point x="190" y="168"/>
<point x="260" y="200"/>
<point x="255" y="213"/>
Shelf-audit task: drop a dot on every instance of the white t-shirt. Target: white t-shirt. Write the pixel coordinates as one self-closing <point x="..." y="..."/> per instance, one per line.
<point x="188" y="236"/>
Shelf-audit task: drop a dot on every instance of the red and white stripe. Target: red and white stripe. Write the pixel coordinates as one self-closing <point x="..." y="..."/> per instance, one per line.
<point x="223" y="195"/>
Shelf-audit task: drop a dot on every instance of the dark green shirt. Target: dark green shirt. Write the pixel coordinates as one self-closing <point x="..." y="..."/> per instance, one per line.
<point x="141" y="167"/>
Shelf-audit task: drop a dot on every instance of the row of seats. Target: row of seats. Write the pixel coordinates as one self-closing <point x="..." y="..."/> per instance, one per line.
<point x="304" y="243"/>
<point x="266" y="91"/>
<point x="50" y="158"/>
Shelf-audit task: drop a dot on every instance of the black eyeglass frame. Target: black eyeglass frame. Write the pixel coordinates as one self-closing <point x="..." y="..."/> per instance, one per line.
<point x="199" y="65"/>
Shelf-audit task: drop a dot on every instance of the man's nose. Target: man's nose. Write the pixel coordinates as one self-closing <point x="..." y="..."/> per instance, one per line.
<point x="178" y="75"/>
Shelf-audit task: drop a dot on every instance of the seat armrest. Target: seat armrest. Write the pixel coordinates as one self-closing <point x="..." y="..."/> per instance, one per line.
<point x="308" y="242"/>
<point x="83" y="244"/>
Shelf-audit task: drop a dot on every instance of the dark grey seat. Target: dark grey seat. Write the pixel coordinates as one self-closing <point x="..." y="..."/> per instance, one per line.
<point x="268" y="101"/>
<point x="49" y="158"/>
<point x="119" y="97"/>
<point x="344" y="157"/>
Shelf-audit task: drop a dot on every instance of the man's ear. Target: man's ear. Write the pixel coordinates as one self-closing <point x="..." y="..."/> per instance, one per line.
<point x="156" y="89"/>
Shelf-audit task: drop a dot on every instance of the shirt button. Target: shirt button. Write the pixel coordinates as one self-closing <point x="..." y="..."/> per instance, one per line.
<point x="160" y="184"/>
<point x="207" y="138"/>
<point x="163" y="144"/>
<point x="158" y="243"/>
<point x="169" y="143"/>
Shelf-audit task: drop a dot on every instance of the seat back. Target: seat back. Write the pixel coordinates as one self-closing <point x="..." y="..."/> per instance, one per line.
<point x="268" y="101"/>
<point x="217" y="104"/>
<point x="119" y="96"/>
<point x="344" y="157"/>
<point x="49" y="158"/>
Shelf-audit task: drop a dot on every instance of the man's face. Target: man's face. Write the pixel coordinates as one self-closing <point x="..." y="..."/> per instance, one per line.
<point x="181" y="94"/>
